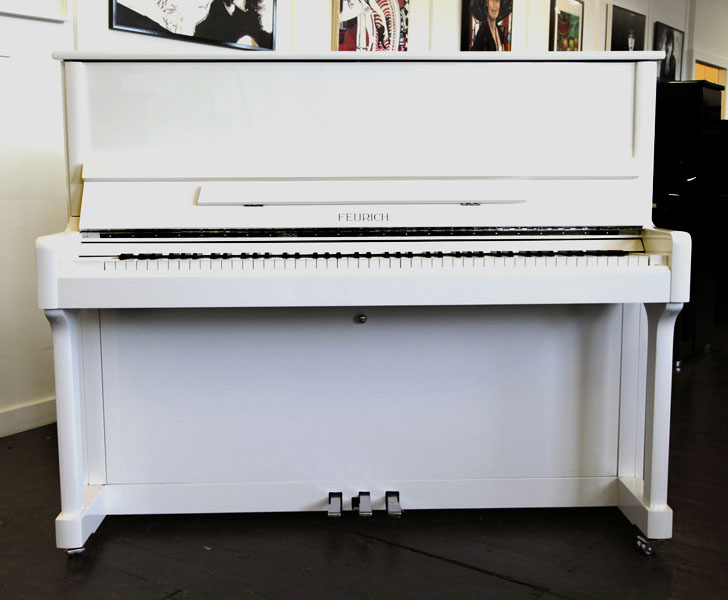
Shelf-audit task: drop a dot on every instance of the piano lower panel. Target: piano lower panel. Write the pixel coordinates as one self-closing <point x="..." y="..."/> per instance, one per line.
<point x="272" y="396"/>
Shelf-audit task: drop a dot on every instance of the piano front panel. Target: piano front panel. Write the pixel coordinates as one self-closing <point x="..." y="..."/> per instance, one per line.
<point x="414" y="393"/>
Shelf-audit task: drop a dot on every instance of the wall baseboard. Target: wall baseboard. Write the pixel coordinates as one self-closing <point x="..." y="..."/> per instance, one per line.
<point x="29" y="415"/>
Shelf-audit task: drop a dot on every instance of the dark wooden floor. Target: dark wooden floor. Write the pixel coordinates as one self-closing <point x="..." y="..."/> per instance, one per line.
<point x="504" y="554"/>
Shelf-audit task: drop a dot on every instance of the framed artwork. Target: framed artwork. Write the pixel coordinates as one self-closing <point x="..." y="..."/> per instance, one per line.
<point x="246" y="24"/>
<point x="487" y="25"/>
<point x="46" y="10"/>
<point x="625" y="29"/>
<point x="370" y="25"/>
<point x="566" y="25"/>
<point x="670" y="41"/>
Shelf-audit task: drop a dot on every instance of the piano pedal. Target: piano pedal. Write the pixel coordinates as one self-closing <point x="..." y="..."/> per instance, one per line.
<point x="336" y="502"/>
<point x="362" y="504"/>
<point x="394" y="509"/>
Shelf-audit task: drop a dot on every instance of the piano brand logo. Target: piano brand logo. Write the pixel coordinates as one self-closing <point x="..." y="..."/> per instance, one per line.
<point x="350" y="217"/>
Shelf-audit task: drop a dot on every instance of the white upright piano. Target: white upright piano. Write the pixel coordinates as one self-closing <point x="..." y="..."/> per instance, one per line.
<point x="361" y="283"/>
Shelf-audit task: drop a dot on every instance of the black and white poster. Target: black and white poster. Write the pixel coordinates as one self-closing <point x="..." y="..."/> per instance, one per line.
<point x="248" y="24"/>
<point x="625" y="29"/>
<point x="670" y="41"/>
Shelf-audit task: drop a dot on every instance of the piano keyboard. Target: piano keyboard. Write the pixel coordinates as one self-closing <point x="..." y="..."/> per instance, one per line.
<point x="268" y="261"/>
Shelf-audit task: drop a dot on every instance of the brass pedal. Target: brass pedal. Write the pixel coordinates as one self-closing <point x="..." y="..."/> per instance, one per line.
<point x="362" y="504"/>
<point x="394" y="508"/>
<point x="336" y="502"/>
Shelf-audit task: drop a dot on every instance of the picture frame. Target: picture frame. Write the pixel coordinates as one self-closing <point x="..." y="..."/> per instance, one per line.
<point x="566" y="25"/>
<point x="370" y="25"/>
<point x="476" y="34"/>
<point x="671" y="42"/>
<point x="43" y="10"/>
<point x="625" y="29"/>
<point x="246" y="25"/>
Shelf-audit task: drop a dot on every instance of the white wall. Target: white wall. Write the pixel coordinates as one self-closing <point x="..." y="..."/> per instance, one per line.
<point x="710" y="27"/>
<point x="304" y="26"/>
<point x="32" y="184"/>
<point x="32" y="203"/>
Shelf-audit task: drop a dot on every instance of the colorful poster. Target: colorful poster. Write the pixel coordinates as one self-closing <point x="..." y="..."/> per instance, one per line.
<point x="567" y="19"/>
<point x="487" y="25"/>
<point x="371" y="25"/>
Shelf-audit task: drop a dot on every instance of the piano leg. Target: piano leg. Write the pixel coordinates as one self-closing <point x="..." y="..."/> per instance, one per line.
<point x="644" y="500"/>
<point x="80" y="503"/>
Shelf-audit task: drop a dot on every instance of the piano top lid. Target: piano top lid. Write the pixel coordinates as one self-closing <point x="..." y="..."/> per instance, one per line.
<point x="252" y="56"/>
<point x="542" y="139"/>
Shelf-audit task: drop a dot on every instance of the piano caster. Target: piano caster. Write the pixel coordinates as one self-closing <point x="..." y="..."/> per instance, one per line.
<point x="362" y="504"/>
<point x="71" y="552"/>
<point x="646" y="545"/>
<point x="394" y="509"/>
<point x="335" y="504"/>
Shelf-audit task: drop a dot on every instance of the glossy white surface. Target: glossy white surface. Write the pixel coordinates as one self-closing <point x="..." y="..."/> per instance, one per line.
<point x="245" y="384"/>
<point x="275" y="120"/>
<point x="412" y="394"/>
